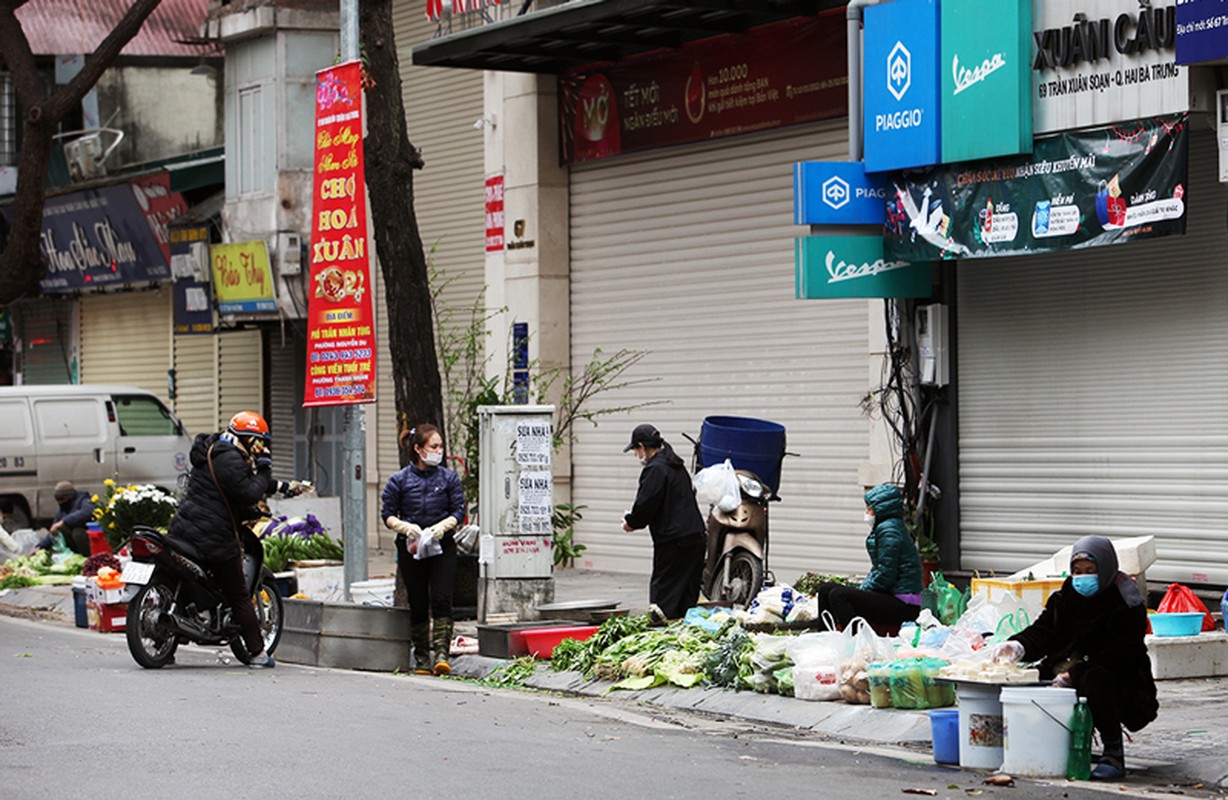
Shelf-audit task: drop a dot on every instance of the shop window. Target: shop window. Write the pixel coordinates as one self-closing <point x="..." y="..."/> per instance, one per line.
<point x="144" y="416"/>
<point x="251" y="142"/>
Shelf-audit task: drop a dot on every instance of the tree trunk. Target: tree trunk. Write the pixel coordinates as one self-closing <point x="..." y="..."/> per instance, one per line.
<point x="391" y="161"/>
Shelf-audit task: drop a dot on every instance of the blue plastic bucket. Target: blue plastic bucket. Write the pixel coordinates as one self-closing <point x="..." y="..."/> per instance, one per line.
<point x="944" y="725"/>
<point x="754" y="445"/>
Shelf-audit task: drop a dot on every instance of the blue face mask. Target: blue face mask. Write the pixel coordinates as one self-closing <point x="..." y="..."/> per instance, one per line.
<point x="1086" y="585"/>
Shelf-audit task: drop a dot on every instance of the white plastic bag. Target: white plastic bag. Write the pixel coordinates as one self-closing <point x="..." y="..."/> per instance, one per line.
<point x="816" y="681"/>
<point x="428" y="546"/>
<point x="718" y="486"/>
<point x="824" y="647"/>
<point x="467" y="540"/>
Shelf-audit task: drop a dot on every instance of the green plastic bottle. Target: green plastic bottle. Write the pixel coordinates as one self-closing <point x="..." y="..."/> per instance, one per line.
<point x="1079" y="759"/>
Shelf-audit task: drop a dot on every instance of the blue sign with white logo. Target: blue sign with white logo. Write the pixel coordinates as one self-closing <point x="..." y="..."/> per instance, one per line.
<point x="1202" y="30"/>
<point x="838" y="193"/>
<point x="902" y="121"/>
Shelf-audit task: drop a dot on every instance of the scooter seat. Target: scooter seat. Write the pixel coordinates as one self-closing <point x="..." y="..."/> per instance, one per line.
<point x="184" y="548"/>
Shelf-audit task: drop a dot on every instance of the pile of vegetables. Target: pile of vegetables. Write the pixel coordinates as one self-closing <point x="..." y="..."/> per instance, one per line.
<point x="811" y="581"/>
<point x="579" y="656"/>
<point x="289" y="539"/>
<point x="39" y="569"/>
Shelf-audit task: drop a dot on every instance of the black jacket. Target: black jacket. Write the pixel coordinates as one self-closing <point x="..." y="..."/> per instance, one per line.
<point x="1075" y="633"/>
<point x="665" y="501"/>
<point x="202" y="517"/>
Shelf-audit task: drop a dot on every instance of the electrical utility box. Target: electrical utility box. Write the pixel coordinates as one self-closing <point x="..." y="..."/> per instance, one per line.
<point x="931" y="329"/>
<point x="1221" y="132"/>
<point x="516" y="491"/>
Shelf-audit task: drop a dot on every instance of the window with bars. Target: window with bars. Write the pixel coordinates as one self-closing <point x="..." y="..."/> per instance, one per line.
<point x="8" y="121"/>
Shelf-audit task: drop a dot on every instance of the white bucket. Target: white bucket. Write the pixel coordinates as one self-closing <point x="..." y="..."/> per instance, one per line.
<point x="377" y="592"/>
<point x="1035" y="728"/>
<point x="980" y="726"/>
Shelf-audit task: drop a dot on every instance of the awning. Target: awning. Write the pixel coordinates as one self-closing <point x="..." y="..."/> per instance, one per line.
<point x="199" y="172"/>
<point x="584" y="32"/>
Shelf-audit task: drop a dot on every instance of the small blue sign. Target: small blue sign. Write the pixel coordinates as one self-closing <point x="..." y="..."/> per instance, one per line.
<point x="902" y="120"/>
<point x="1202" y="30"/>
<point x="838" y="193"/>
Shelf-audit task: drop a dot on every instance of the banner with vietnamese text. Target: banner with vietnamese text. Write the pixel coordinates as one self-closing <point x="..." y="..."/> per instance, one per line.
<point x="340" y="320"/>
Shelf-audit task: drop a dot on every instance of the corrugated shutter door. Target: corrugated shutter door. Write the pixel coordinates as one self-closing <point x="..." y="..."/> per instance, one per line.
<point x="240" y="371"/>
<point x="46" y="337"/>
<point x="1093" y="397"/>
<point x="449" y="195"/>
<point x="196" y="382"/>
<point x="688" y="254"/>
<point x="126" y="339"/>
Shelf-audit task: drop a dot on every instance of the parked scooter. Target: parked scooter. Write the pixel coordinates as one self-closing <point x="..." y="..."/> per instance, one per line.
<point x="179" y="602"/>
<point x="736" y="565"/>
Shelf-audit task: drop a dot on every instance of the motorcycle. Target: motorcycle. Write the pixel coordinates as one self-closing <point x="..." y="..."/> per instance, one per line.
<point x="736" y="565"/>
<point x="179" y="602"/>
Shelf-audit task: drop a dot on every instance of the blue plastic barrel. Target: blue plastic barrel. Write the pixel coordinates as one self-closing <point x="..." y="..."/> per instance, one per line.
<point x="944" y="727"/>
<point x="754" y="445"/>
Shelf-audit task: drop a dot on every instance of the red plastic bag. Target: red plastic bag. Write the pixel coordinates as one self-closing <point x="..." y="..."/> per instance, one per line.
<point x="1181" y="599"/>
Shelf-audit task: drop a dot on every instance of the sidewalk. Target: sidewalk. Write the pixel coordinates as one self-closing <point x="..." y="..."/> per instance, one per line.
<point x="1187" y="744"/>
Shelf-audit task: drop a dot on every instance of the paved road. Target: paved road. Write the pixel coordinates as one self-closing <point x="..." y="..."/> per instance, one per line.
<point x="80" y="719"/>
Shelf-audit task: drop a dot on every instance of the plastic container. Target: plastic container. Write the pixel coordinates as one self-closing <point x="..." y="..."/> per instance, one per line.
<point x="980" y="726"/>
<point x="1185" y="623"/>
<point x="98" y="539"/>
<point x="376" y="592"/>
<point x="944" y="727"/>
<point x="1079" y="758"/>
<point x="80" y="614"/>
<point x="879" y="677"/>
<point x="754" y="445"/>
<point x="1035" y="732"/>
<point x="540" y="642"/>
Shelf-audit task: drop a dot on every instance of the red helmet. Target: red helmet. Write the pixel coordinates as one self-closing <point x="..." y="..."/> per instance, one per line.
<point x="249" y="423"/>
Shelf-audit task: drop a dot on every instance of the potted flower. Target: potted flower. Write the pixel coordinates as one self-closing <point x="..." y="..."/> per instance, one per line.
<point x="121" y="508"/>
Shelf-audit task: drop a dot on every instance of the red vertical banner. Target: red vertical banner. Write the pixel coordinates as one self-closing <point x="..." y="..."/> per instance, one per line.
<point x="494" y="213"/>
<point x="340" y="321"/>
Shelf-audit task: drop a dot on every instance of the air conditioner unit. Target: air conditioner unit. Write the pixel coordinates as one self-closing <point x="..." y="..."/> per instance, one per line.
<point x="289" y="253"/>
<point x="85" y="158"/>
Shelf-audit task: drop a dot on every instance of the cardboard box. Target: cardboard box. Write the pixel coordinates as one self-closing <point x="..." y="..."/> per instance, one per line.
<point x="95" y="593"/>
<point x="106" y="617"/>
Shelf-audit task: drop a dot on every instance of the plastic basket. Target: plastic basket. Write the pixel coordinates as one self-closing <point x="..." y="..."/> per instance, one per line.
<point x="1186" y="623"/>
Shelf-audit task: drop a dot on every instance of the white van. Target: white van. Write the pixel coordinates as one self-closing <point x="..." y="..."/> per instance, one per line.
<point x="83" y="434"/>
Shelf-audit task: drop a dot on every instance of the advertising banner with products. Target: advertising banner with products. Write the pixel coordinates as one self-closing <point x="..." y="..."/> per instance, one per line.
<point x="830" y="267"/>
<point x="1096" y="62"/>
<point x="986" y="81"/>
<point x="340" y="319"/>
<point x="1202" y="31"/>
<point x="1079" y="189"/>
<point x="782" y="74"/>
<point x="901" y="122"/>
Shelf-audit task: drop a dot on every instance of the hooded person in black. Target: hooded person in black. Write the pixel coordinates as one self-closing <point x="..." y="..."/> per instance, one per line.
<point x="665" y="504"/>
<point x="1090" y="638"/>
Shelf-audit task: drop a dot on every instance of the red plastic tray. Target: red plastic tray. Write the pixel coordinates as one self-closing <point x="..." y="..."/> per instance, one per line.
<point x="540" y="642"/>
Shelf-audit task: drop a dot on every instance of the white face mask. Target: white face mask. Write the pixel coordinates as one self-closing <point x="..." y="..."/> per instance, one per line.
<point x="869" y="518"/>
<point x="432" y="459"/>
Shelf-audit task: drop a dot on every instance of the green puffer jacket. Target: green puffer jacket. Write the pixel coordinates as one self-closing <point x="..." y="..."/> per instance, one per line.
<point x="896" y="565"/>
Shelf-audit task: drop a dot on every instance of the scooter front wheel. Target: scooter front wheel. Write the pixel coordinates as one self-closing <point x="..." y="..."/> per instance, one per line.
<point x="738" y="577"/>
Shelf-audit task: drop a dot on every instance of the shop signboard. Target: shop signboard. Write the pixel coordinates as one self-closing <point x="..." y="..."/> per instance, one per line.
<point x="242" y="277"/>
<point x="1078" y="189"/>
<point x="781" y="74"/>
<point x="494" y="213"/>
<point x="986" y="80"/>
<point x="901" y="85"/>
<point x="340" y="318"/>
<point x="1096" y="62"/>
<point x="829" y="267"/>
<point x="108" y="236"/>
<point x="1202" y="30"/>
<point x="193" y="310"/>
<point x="837" y="193"/>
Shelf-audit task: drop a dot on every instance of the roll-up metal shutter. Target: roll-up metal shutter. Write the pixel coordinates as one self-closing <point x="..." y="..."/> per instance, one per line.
<point x="46" y="333"/>
<point x="126" y="339"/>
<point x="196" y="382"/>
<point x="687" y="254"/>
<point x="449" y="195"/>
<point x="1093" y="396"/>
<point x="240" y="385"/>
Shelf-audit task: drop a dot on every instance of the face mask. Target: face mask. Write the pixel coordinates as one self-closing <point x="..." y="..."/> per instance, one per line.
<point x="869" y="518"/>
<point x="1086" y="585"/>
<point x="433" y="459"/>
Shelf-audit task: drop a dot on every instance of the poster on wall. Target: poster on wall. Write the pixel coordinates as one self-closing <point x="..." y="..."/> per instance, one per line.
<point x="1079" y="189"/>
<point x="777" y="75"/>
<point x="340" y="319"/>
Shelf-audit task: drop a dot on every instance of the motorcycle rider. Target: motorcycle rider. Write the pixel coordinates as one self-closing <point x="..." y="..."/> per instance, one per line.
<point x="231" y="472"/>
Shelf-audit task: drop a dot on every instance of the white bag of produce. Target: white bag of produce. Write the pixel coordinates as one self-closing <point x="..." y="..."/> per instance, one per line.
<point x="718" y="485"/>
<point x="825" y="647"/>
<point x="816" y="681"/>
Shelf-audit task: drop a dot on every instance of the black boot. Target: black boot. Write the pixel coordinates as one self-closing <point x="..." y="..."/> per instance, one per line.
<point x="420" y="638"/>
<point x="442" y="639"/>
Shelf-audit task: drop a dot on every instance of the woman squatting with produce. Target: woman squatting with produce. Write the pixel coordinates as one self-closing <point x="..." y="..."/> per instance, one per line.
<point x="665" y="504"/>
<point x="890" y="595"/>
<point x="422" y="503"/>
<point x="1090" y="637"/>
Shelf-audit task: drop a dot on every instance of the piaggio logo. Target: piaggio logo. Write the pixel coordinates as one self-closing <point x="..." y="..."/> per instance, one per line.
<point x="899" y="71"/>
<point x="835" y="192"/>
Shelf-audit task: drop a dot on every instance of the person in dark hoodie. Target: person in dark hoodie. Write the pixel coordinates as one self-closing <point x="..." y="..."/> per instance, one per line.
<point x="665" y="504"/>
<point x="75" y="509"/>
<point x="1090" y="638"/>
<point x="890" y="595"/>
<point x="231" y="472"/>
